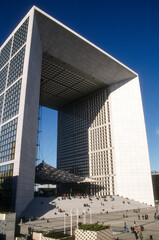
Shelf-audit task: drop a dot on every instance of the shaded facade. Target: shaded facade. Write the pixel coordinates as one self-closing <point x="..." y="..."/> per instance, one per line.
<point x="101" y="129"/>
<point x="85" y="142"/>
<point x="155" y="183"/>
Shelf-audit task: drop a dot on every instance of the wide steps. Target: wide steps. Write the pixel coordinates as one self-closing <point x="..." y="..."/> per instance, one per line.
<point x="51" y="207"/>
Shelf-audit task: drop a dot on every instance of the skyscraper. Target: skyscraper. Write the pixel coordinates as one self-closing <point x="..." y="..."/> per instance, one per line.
<point x="101" y="129"/>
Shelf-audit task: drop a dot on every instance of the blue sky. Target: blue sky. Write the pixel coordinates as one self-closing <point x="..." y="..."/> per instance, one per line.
<point x="128" y="30"/>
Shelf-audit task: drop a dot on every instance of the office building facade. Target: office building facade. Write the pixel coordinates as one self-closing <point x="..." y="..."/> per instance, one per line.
<point x="101" y="129"/>
<point x="85" y="141"/>
<point x="155" y="184"/>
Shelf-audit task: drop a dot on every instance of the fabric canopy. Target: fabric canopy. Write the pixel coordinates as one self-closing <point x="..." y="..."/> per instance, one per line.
<point x="45" y="173"/>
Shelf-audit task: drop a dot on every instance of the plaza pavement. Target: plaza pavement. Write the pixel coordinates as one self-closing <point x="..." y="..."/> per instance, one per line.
<point x="114" y="217"/>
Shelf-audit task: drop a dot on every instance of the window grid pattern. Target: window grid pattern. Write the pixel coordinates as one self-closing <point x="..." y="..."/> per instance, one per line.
<point x="1" y="105"/>
<point x="6" y="174"/>
<point x="84" y="141"/>
<point x="8" y="141"/>
<point x="73" y="139"/>
<point x="20" y="37"/>
<point x="11" y="69"/>
<point x="3" y="77"/>
<point x="16" y="67"/>
<point x="6" y="168"/>
<point x="105" y="185"/>
<point x="97" y="110"/>
<point x="12" y="99"/>
<point x="5" y="53"/>
<point x="100" y="144"/>
<point x="102" y="163"/>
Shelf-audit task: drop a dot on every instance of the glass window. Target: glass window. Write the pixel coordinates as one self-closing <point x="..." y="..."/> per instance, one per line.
<point x="8" y="141"/>
<point x="6" y="177"/>
<point x="3" y="77"/>
<point x="1" y="105"/>
<point x="16" y="67"/>
<point x="20" y="37"/>
<point x="5" y="53"/>
<point x="12" y="99"/>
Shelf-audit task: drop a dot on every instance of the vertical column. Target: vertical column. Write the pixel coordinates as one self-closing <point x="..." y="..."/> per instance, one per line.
<point x="28" y="118"/>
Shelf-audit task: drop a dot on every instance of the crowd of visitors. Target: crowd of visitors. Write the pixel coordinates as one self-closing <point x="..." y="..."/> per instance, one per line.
<point x="136" y="230"/>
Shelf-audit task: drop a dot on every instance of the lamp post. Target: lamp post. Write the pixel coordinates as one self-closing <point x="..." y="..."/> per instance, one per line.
<point x="77" y="218"/>
<point x="90" y="216"/>
<point x="84" y="216"/>
<point x="71" y="222"/>
<point x="64" y="225"/>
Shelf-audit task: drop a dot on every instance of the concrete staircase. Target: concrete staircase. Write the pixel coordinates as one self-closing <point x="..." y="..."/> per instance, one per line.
<point x="43" y="207"/>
